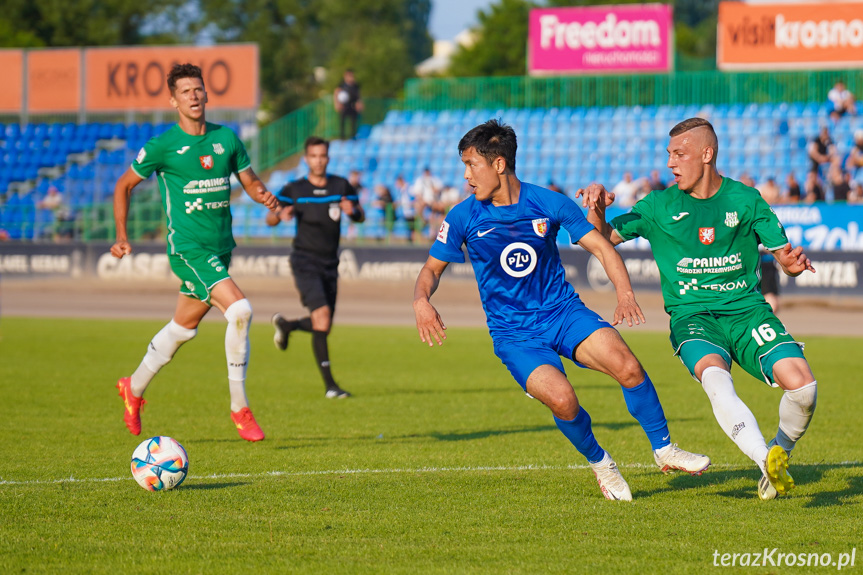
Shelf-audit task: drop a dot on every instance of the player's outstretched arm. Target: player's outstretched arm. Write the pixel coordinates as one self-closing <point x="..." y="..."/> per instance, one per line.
<point x="595" y="198"/>
<point x="793" y="261"/>
<point x="429" y="323"/>
<point x="122" y="197"/>
<point x="257" y="190"/>
<point x="627" y="308"/>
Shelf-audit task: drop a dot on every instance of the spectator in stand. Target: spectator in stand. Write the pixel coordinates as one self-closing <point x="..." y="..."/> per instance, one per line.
<point x="427" y="189"/>
<point x="854" y="163"/>
<point x="450" y="196"/>
<point x="555" y="188"/>
<point x="840" y="181"/>
<point x="354" y="178"/>
<point x="821" y="150"/>
<point x="654" y="182"/>
<point x="626" y="191"/>
<point x="407" y="203"/>
<point x="348" y="103"/>
<point x="770" y="191"/>
<point x="383" y="201"/>
<point x="813" y="188"/>
<point x="856" y="195"/>
<point x="842" y="100"/>
<point x="792" y="193"/>
<point x="747" y="180"/>
<point x="56" y="203"/>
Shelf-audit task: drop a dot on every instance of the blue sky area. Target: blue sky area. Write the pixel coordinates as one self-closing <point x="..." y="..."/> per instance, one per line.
<point x="449" y="17"/>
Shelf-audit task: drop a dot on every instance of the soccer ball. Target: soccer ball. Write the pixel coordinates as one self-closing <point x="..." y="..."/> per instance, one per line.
<point x="159" y="463"/>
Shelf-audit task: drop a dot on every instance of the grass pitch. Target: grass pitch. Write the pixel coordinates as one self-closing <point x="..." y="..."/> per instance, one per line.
<point x="439" y="464"/>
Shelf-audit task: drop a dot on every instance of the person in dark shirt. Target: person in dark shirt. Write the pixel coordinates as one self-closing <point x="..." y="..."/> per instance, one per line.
<point x="348" y="103"/>
<point x="793" y="192"/>
<point x="821" y="150"/>
<point x="317" y="202"/>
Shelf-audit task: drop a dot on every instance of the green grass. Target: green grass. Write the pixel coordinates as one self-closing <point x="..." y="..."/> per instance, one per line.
<point x="439" y="464"/>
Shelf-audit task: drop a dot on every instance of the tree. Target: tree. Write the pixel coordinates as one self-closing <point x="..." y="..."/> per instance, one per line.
<point x="47" y="23"/>
<point x="500" y="42"/>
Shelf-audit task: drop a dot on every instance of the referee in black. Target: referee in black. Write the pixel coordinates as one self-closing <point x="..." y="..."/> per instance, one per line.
<point x="317" y="202"/>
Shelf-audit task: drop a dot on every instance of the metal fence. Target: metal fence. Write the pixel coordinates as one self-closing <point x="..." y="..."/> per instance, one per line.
<point x="631" y="90"/>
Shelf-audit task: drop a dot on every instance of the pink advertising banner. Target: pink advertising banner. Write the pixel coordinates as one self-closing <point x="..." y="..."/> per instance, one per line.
<point x="600" y="39"/>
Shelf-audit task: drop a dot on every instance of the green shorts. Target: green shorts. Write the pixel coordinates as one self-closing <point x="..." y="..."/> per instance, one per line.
<point x="756" y="340"/>
<point x="199" y="271"/>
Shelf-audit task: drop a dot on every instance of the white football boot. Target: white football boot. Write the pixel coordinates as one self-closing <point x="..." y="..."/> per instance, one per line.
<point x="672" y="458"/>
<point x="611" y="482"/>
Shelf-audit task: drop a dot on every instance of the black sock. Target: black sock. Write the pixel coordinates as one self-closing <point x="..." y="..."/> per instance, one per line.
<point x="303" y="324"/>
<point x="322" y="357"/>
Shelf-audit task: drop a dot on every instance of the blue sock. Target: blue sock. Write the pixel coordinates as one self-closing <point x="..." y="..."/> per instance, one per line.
<point x="579" y="433"/>
<point x="644" y="406"/>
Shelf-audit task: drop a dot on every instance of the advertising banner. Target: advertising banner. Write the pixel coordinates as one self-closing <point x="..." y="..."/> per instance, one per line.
<point x="12" y="87"/>
<point x="799" y="35"/>
<point x="134" y="78"/>
<point x="54" y="80"/>
<point x="600" y="39"/>
<point x="837" y="273"/>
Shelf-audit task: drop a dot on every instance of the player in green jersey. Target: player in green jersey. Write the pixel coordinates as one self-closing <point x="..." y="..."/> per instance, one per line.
<point x="705" y="232"/>
<point x="193" y="162"/>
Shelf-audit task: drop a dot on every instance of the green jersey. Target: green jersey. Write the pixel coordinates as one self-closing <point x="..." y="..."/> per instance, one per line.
<point x="706" y="250"/>
<point x="194" y="175"/>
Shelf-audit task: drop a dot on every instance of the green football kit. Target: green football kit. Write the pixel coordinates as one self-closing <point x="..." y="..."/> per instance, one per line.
<point x="707" y="254"/>
<point x="194" y="175"/>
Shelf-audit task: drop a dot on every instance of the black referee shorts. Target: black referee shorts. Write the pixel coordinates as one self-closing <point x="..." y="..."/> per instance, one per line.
<point x="316" y="279"/>
<point x="769" y="276"/>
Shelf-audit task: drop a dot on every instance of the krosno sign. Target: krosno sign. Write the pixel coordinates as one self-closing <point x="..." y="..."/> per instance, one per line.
<point x="803" y="35"/>
<point x="600" y="39"/>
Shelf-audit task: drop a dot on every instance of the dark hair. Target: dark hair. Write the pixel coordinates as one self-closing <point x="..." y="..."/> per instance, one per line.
<point x="183" y="71"/>
<point x="691" y="124"/>
<point x="491" y="140"/>
<point x="315" y="141"/>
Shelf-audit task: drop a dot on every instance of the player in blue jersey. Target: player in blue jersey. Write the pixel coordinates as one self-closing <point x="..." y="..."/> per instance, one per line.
<point x="534" y="315"/>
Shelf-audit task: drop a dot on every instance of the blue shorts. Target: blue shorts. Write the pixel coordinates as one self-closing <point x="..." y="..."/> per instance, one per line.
<point x="522" y="355"/>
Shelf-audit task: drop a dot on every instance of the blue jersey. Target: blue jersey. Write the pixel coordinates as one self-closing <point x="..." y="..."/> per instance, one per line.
<point x="513" y="251"/>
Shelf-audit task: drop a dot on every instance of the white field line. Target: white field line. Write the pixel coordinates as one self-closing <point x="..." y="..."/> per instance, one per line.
<point x="389" y="471"/>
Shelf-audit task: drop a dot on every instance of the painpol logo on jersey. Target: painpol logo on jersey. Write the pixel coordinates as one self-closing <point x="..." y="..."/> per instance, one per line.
<point x="712" y="265"/>
<point x="518" y="259"/>
<point x="207" y="186"/>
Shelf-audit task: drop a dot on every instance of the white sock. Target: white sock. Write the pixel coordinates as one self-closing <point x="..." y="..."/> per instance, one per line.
<point x="239" y="316"/>
<point x="795" y="412"/>
<point x="161" y="350"/>
<point x="735" y="419"/>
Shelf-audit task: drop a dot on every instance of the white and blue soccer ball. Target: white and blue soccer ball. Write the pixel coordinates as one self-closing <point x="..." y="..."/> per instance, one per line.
<point x="159" y="463"/>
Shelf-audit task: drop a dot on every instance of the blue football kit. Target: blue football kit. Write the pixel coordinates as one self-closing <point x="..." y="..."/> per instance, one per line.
<point x="534" y="315"/>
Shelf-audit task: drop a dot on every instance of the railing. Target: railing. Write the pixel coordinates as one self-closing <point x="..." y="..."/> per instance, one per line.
<point x="284" y="137"/>
<point x="631" y="90"/>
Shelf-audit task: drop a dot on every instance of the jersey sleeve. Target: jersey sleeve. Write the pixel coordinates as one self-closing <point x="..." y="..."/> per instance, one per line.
<point x="286" y="195"/>
<point x="149" y="159"/>
<point x="450" y="236"/>
<point x="570" y="217"/>
<point x="767" y="226"/>
<point x="635" y="223"/>
<point x="241" y="156"/>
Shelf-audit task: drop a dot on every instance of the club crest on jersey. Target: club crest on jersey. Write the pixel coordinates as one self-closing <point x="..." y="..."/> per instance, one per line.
<point x="218" y="149"/>
<point x="540" y="227"/>
<point x="706" y="235"/>
<point x="206" y="162"/>
<point x="335" y="212"/>
<point x="731" y="219"/>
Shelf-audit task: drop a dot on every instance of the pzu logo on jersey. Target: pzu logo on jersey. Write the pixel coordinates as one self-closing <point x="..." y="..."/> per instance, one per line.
<point x="518" y="259"/>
